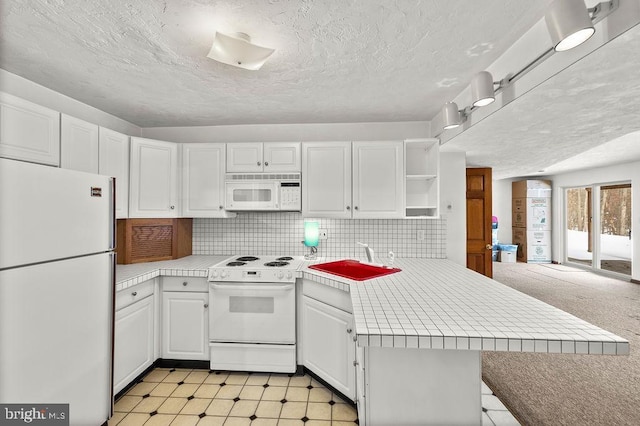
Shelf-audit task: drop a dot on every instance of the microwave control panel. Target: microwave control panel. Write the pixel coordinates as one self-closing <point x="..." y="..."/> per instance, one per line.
<point x="290" y="198"/>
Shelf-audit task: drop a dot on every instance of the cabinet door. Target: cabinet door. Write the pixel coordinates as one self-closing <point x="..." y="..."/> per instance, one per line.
<point x="378" y="179"/>
<point x="326" y="179"/>
<point x="244" y="157"/>
<point x="282" y="157"/>
<point x="28" y="132"/>
<point x="78" y="145"/>
<point x="114" y="162"/>
<point x="154" y="179"/>
<point x="133" y="347"/>
<point x="185" y="325"/>
<point x="329" y="349"/>
<point x="203" y="180"/>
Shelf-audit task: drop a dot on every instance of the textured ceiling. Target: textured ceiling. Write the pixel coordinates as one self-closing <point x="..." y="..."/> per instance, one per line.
<point x="336" y="61"/>
<point x="586" y="116"/>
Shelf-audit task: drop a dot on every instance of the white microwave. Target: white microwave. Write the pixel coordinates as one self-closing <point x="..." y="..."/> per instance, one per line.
<point x="263" y="192"/>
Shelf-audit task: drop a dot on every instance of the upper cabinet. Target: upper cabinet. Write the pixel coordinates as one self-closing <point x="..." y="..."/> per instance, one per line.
<point x="378" y="180"/>
<point x="78" y="145"/>
<point x="422" y="157"/>
<point x="203" y="169"/>
<point x="28" y="132"/>
<point x="154" y="179"/>
<point x="326" y="179"/>
<point x="257" y="157"/>
<point x="113" y="161"/>
<point x="359" y="180"/>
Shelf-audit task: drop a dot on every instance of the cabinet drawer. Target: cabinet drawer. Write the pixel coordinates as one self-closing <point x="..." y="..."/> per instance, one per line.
<point x="192" y="284"/>
<point x="331" y="296"/>
<point x="132" y="294"/>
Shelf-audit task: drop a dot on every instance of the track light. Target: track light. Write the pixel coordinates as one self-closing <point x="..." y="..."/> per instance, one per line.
<point x="482" y="93"/>
<point x="450" y="115"/>
<point x="237" y="50"/>
<point x="569" y="24"/>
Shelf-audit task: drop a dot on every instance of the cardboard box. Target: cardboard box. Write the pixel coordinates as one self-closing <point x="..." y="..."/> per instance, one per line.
<point x="532" y="213"/>
<point x="507" y="256"/>
<point x="531" y="188"/>
<point x="533" y="246"/>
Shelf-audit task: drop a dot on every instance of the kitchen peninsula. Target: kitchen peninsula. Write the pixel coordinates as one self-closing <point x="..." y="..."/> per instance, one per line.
<point x="423" y="329"/>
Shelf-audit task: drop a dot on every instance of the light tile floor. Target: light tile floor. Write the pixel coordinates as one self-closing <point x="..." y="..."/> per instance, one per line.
<point x="184" y="397"/>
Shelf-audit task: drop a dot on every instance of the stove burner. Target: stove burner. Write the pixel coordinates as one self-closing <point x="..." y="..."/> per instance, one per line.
<point x="284" y="258"/>
<point x="247" y="259"/>
<point x="276" y="264"/>
<point x="236" y="263"/>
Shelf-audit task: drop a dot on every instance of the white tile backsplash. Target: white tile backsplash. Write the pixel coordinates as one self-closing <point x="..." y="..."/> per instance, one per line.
<point x="282" y="233"/>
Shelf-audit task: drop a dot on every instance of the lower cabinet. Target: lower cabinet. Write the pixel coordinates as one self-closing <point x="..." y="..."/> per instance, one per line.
<point x="134" y="339"/>
<point x="185" y="325"/>
<point x="328" y="348"/>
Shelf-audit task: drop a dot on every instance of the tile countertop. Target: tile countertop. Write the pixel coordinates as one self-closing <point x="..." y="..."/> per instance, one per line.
<point x="433" y="304"/>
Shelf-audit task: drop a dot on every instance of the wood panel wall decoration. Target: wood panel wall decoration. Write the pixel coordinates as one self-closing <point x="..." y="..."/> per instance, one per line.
<point x="148" y="240"/>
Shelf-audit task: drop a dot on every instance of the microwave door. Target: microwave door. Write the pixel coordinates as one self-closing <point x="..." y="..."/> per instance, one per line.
<point x="251" y="195"/>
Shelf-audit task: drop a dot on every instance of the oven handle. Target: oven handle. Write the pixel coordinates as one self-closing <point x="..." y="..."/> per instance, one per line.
<point x="242" y="286"/>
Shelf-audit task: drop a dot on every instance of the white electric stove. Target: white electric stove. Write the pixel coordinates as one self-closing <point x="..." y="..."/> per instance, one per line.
<point x="252" y="322"/>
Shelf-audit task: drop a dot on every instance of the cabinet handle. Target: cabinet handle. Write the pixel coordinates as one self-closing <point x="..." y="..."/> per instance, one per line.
<point x="220" y="207"/>
<point x="135" y="293"/>
<point x="349" y="330"/>
<point x="173" y="207"/>
<point x="259" y="163"/>
<point x="266" y="163"/>
<point x="206" y="305"/>
<point x="185" y="283"/>
<point x="356" y="207"/>
<point x="348" y="207"/>
<point x="355" y="363"/>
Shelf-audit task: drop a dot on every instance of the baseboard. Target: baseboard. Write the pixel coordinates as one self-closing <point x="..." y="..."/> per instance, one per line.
<point x="635" y="281"/>
<point x="181" y="363"/>
<point x="328" y="386"/>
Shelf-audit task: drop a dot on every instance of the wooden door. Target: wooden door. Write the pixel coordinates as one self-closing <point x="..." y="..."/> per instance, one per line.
<point x="479" y="246"/>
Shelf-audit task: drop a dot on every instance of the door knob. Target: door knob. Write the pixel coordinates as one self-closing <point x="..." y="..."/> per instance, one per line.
<point x="488" y="247"/>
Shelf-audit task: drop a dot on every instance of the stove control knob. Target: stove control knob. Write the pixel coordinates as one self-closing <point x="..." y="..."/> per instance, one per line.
<point x="280" y="275"/>
<point x="289" y="275"/>
<point x="213" y="274"/>
<point x="223" y="274"/>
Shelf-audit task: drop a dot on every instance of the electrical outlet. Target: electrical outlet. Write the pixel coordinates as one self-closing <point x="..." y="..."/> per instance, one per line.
<point x="323" y="234"/>
<point x="422" y="234"/>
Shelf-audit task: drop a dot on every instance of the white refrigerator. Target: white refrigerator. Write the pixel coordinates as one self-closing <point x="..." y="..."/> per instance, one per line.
<point x="57" y="289"/>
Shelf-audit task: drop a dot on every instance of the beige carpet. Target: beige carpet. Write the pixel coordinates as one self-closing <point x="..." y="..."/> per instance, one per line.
<point x="556" y="389"/>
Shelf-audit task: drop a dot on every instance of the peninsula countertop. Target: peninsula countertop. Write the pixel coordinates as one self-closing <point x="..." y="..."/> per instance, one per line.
<point x="433" y="304"/>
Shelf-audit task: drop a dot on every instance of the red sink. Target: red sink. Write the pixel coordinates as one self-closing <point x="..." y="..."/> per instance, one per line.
<point x="354" y="270"/>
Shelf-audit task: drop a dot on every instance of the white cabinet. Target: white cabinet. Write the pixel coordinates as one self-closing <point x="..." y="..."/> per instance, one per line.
<point x="134" y="335"/>
<point x="422" y="157"/>
<point x="79" y="148"/>
<point x="185" y="325"/>
<point x="28" y="132"/>
<point x="154" y="179"/>
<point x="326" y="179"/>
<point x="114" y="161"/>
<point x="359" y="180"/>
<point x="378" y="174"/>
<point x="203" y="169"/>
<point x="327" y="336"/>
<point x="257" y="157"/>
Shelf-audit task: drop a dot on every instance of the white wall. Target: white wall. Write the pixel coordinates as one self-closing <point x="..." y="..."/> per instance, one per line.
<point x="611" y="174"/>
<point x="501" y="200"/>
<point x="453" y="204"/>
<point x="33" y="92"/>
<point x="291" y="132"/>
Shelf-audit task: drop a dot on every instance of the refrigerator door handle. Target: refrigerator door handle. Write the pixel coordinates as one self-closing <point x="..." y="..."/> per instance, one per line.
<point x="112" y="215"/>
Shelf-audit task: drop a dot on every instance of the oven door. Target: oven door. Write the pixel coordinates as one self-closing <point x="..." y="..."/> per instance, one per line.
<point x="252" y="195"/>
<point x="252" y="312"/>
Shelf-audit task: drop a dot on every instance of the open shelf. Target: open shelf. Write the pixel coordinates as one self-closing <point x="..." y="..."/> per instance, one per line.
<point x="421" y="177"/>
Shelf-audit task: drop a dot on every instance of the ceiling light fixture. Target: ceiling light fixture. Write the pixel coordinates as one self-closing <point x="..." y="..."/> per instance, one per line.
<point x="568" y="23"/>
<point x="482" y="93"/>
<point x="450" y="115"/>
<point x="238" y="51"/>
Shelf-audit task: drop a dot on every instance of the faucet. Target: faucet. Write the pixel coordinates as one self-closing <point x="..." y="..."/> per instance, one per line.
<point x="368" y="251"/>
